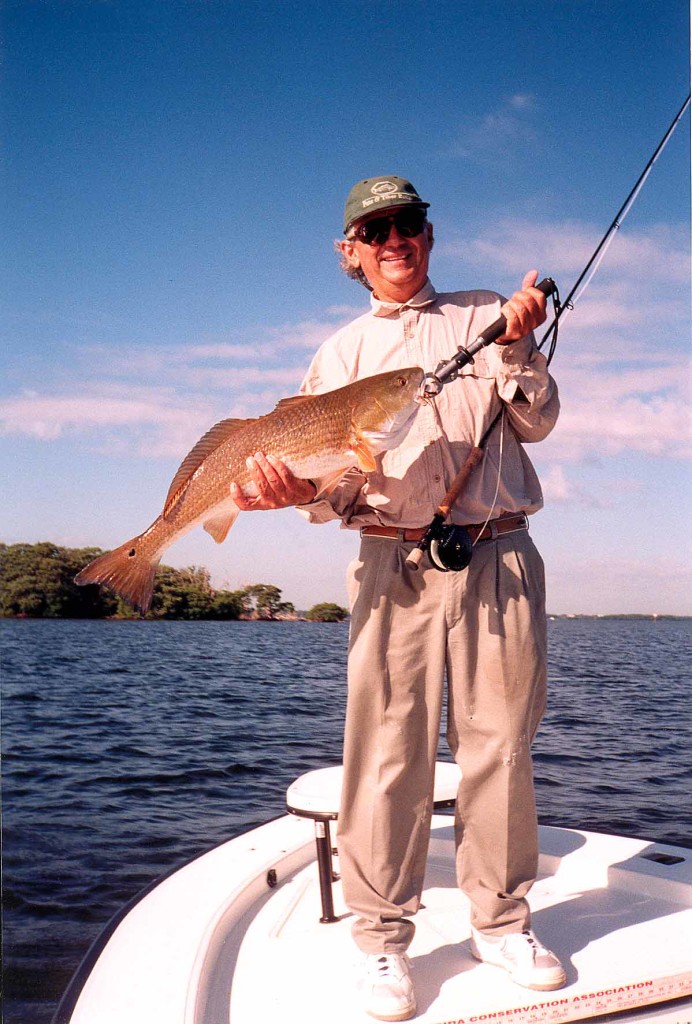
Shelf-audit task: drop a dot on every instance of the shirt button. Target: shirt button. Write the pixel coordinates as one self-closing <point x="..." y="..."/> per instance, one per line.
<point x="436" y="478"/>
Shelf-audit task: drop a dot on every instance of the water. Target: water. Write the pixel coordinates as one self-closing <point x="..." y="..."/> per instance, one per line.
<point x="129" y="747"/>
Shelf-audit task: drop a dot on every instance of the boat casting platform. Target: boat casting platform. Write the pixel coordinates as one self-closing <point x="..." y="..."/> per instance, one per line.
<point x="234" y="937"/>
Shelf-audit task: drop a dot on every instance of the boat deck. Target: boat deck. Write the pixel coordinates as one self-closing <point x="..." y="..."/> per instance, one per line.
<point x="235" y="937"/>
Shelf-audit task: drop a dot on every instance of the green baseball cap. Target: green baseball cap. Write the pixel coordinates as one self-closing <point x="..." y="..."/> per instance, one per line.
<point x="374" y="194"/>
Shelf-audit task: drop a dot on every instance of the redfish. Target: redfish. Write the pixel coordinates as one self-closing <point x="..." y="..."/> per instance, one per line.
<point x="319" y="437"/>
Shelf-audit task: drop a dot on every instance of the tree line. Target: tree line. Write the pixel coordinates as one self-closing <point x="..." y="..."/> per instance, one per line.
<point x="37" y="581"/>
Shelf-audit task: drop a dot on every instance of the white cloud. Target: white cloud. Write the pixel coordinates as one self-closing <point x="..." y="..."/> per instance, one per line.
<point x="508" y="122"/>
<point x="110" y="419"/>
<point x="561" y="486"/>
<point x="522" y="101"/>
<point x="617" y="584"/>
<point x="158" y="401"/>
<point x="513" y="244"/>
<point x="221" y="350"/>
<point x="49" y="416"/>
<point x="620" y="367"/>
<point x="556" y="487"/>
<point x="622" y="358"/>
<point x="236" y="382"/>
<point x="609" y="427"/>
<point x="307" y="335"/>
<point x="263" y="354"/>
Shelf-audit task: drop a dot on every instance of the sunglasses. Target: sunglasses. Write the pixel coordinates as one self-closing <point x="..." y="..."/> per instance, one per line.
<point x="408" y="223"/>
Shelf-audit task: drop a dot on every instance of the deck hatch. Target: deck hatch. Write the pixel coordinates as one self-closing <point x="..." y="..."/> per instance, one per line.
<point x="663" y="858"/>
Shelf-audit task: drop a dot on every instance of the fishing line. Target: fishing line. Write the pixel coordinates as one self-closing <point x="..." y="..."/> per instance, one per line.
<point x="449" y="549"/>
<point x="607" y="240"/>
<point x="499" y="472"/>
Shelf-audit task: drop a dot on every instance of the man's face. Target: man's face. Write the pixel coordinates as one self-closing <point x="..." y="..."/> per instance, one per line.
<point x="396" y="268"/>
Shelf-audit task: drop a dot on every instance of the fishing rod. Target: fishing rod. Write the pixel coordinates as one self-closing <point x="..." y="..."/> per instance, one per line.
<point x="448" y="370"/>
<point x="450" y="546"/>
<point x="605" y="243"/>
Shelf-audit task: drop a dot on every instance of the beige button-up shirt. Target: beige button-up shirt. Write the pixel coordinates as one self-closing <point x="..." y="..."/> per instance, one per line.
<point x="411" y="481"/>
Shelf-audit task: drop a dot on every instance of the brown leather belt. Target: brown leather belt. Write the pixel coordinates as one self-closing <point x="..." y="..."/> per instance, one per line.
<point x="477" y="531"/>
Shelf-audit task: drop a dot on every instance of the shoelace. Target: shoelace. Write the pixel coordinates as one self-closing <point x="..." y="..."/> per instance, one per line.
<point x="533" y="941"/>
<point x="541" y="955"/>
<point x="388" y="964"/>
<point x="534" y="945"/>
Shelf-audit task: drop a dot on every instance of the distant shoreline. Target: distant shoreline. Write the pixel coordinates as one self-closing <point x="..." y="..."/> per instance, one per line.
<point x="37" y="581"/>
<point x="634" y="616"/>
<point x="645" y="616"/>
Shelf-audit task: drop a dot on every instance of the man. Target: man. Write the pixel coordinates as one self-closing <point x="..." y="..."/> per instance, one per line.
<point x="483" y="628"/>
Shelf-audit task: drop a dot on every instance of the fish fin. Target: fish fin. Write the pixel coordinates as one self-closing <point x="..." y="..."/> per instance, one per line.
<point x="285" y="403"/>
<point x="125" y="572"/>
<point x="364" y="453"/>
<point x="214" y="437"/>
<point x="219" y="525"/>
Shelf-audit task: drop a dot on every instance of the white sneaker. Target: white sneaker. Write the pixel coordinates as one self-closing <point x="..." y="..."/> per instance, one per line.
<point x="387" y="987"/>
<point x="528" y="962"/>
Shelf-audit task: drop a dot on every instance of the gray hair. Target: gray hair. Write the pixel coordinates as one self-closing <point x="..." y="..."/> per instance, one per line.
<point x="355" y="273"/>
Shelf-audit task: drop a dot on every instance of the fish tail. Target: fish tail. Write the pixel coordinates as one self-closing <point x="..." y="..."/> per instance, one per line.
<point x="125" y="571"/>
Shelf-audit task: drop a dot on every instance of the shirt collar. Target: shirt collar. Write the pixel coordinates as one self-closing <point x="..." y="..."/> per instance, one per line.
<point x="424" y="297"/>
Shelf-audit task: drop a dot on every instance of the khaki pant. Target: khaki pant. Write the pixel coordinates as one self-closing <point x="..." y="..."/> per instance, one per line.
<point x="484" y="629"/>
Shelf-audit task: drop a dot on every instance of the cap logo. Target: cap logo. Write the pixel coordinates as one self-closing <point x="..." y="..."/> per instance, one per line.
<point x="383" y="188"/>
<point x="379" y="193"/>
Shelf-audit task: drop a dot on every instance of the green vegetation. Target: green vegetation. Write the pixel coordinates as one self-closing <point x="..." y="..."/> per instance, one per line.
<point x="37" y="581"/>
<point x="265" y="602"/>
<point x="188" y="594"/>
<point x="327" y="612"/>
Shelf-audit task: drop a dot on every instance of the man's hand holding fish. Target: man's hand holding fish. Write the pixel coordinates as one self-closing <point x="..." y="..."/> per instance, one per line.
<point x="382" y="462"/>
<point x="277" y="486"/>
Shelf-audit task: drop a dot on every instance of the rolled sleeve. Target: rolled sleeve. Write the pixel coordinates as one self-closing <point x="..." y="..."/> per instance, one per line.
<point x="318" y="511"/>
<point x="529" y="392"/>
<point x="411" y="478"/>
<point x="342" y="503"/>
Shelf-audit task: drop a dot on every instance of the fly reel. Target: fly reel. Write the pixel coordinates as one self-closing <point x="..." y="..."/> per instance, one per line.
<point x="451" y="548"/>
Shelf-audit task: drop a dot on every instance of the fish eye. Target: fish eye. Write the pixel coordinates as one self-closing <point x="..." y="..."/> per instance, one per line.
<point x="400" y="382"/>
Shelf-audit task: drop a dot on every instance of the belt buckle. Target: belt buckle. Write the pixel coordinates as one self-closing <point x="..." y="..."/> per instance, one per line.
<point x="521" y="522"/>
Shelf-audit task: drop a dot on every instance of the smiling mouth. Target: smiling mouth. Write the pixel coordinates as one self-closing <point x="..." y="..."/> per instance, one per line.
<point x="395" y="259"/>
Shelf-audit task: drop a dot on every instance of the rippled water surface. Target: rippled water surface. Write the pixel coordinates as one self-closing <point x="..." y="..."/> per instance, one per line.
<point x="129" y="747"/>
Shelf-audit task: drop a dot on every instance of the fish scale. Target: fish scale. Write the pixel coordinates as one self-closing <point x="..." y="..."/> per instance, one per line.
<point x="319" y="437"/>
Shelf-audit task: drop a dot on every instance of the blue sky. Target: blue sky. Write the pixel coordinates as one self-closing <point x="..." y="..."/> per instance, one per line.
<point x="176" y="175"/>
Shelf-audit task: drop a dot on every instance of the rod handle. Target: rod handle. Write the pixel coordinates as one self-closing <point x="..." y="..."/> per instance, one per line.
<point x="473" y="458"/>
<point x="415" y="558"/>
<point x="499" y="326"/>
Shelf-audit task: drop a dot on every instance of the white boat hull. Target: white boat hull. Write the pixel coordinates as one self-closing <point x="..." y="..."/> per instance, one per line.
<point x="234" y="936"/>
